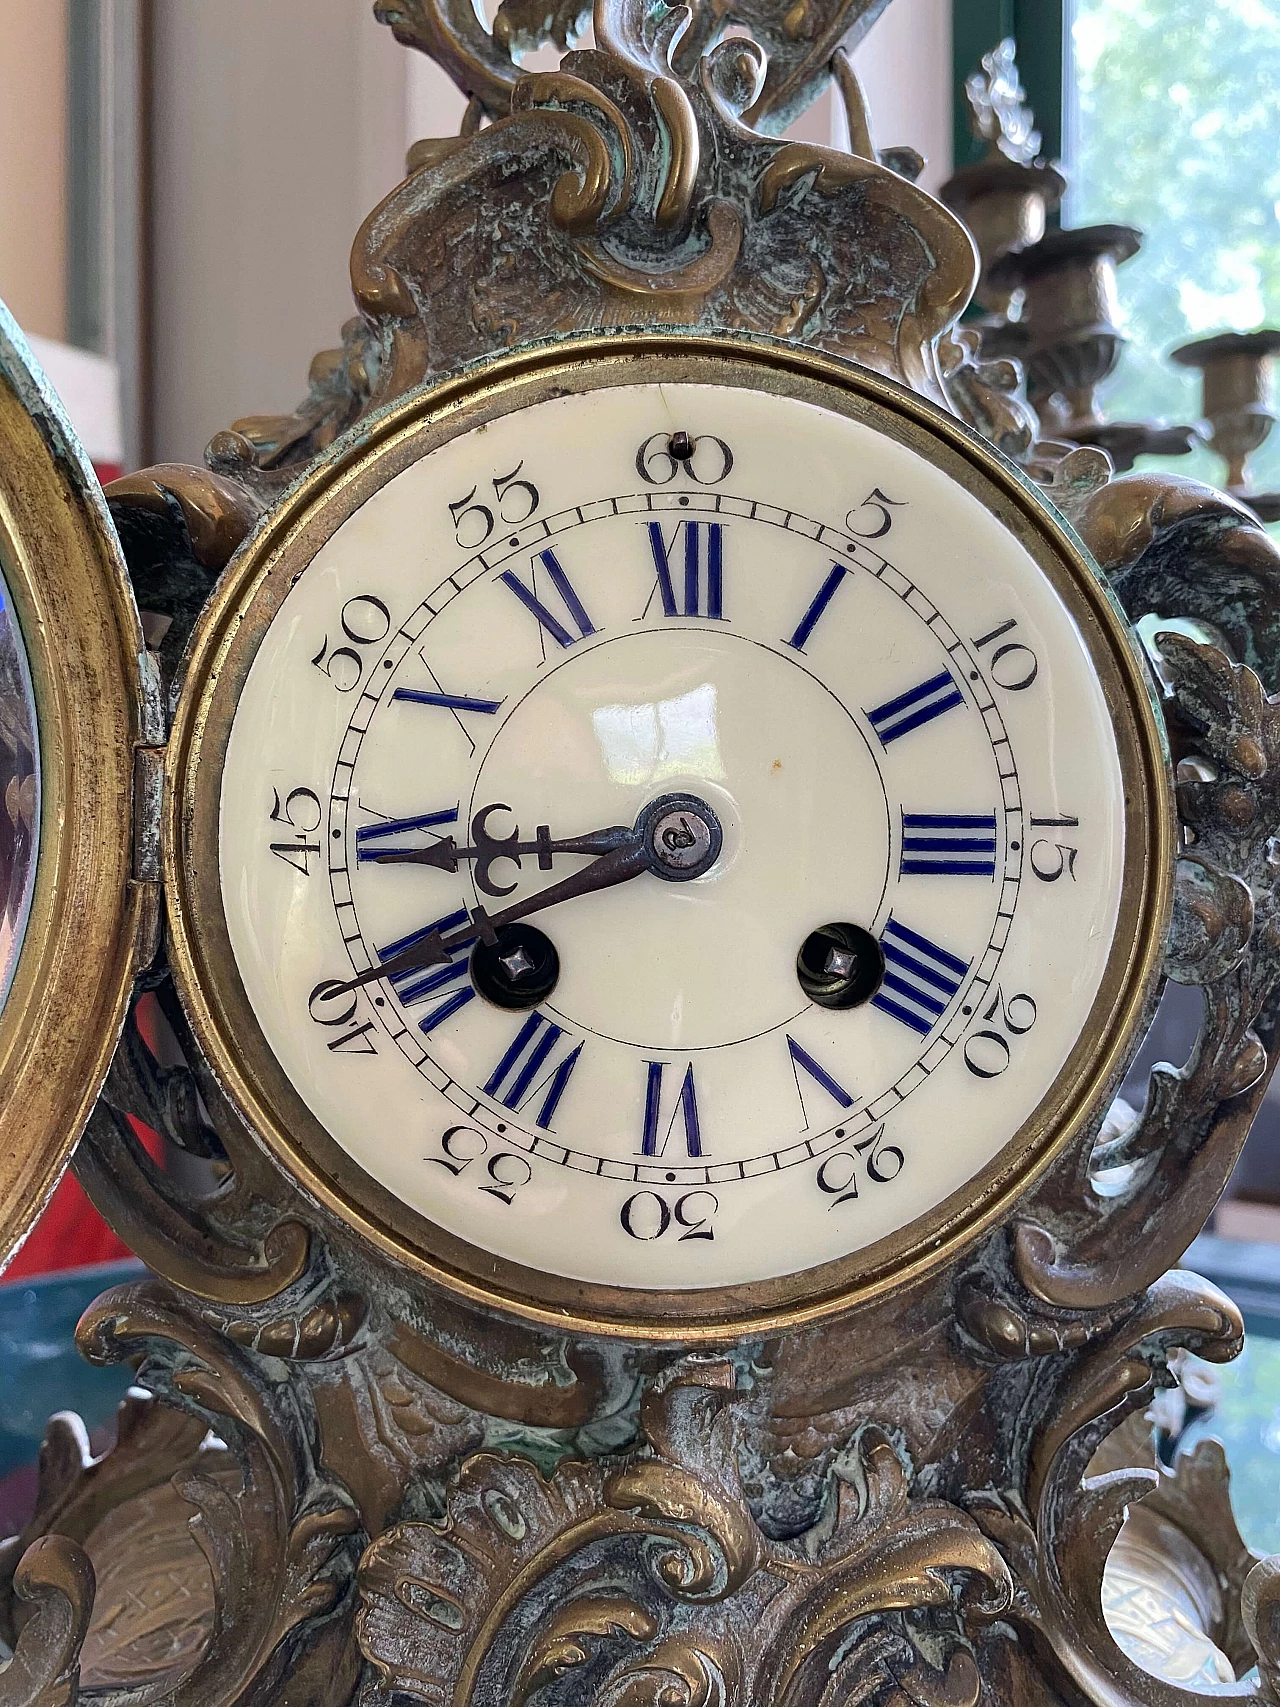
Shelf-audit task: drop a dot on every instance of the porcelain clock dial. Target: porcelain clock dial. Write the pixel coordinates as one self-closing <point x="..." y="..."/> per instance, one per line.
<point x="673" y="836"/>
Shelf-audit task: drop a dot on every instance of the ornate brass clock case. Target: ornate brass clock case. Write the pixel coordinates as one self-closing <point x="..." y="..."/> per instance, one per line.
<point x="457" y="1491"/>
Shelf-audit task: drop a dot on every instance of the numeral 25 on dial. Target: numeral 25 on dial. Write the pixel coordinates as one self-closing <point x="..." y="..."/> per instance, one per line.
<point x="838" y="1173"/>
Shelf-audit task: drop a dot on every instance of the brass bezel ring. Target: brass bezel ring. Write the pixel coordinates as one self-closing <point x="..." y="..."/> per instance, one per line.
<point x="227" y="638"/>
<point x="69" y="591"/>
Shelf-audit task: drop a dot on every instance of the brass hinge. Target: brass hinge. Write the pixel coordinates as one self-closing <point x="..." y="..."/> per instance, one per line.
<point x="148" y="795"/>
<point x="148" y="792"/>
<point x="148" y="771"/>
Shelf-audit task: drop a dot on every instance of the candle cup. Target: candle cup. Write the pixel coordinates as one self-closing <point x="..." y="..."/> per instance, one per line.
<point x="1005" y="204"/>
<point x="1125" y="441"/>
<point x="1071" y="340"/>
<point x="1236" y="396"/>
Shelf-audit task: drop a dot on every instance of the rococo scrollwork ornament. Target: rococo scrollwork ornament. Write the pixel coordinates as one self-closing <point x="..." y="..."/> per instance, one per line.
<point x="357" y="1466"/>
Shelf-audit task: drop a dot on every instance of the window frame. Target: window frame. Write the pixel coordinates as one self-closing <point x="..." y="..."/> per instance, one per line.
<point x="1039" y="30"/>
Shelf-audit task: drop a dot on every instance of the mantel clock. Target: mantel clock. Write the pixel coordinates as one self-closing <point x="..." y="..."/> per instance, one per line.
<point x="684" y="886"/>
<point x="651" y="824"/>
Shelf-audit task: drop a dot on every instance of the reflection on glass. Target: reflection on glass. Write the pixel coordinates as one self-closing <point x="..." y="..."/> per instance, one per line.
<point x="19" y="792"/>
<point x="650" y="743"/>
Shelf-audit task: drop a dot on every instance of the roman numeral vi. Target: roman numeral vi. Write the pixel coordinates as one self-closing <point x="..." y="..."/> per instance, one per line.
<point x="656" y="1139"/>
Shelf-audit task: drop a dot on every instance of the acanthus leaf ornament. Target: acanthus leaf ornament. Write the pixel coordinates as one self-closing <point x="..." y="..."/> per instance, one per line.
<point x="1261" y="1602"/>
<point x="231" y="1242"/>
<point x="276" y="1541"/>
<point x="1180" y="1152"/>
<point x="662" y="1584"/>
<point x="799" y="41"/>
<point x="1188" y="1515"/>
<point x="1058" y="1547"/>
<point x="56" y="1580"/>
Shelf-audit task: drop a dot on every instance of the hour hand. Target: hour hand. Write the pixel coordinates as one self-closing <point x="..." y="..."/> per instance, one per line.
<point x="677" y="838"/>
<point x="486" y="850"/>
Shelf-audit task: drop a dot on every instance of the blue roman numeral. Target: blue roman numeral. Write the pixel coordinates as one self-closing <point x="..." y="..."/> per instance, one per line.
<point x="821" y="599"/>
<point x="955" y="844"/>
<point x="450" y="701"/>
<point x="898" y="717"/>
<point x="574" y="608"/>
<point x="703" y="558"/>
<point x="424" y="982"/>
<point x="686" y="1111"/>
<point x="512" y="1081"/>
<point x="920" y="978"/>
<point x="802" y="1061"/>
<point x="371" y="839"/>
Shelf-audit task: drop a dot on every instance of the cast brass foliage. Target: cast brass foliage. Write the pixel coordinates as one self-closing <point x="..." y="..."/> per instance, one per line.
<point x="638" y="186"/>
<point x="56" y="1582"/>
<point x="661" y="1580"/>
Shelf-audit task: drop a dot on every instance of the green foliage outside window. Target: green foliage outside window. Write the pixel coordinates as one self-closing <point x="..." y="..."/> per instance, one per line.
<point x="1247" y="1422"/>
<point x="1175" y="128"/>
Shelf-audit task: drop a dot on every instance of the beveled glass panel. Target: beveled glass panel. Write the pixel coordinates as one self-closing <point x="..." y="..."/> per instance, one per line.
<point x="19" y="790"/>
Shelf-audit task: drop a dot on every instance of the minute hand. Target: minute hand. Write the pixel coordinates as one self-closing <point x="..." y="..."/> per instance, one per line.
<point x="676" y="837"/>
<point x="617" y="866"/>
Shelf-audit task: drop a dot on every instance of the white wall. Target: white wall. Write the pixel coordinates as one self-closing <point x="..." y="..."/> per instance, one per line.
<point x="279" y="124"/>
<point x="33" y="163"/>
<point x="905" y="69"/>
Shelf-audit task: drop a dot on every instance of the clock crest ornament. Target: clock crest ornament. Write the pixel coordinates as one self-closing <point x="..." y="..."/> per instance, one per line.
<point x="393" y="1436"/>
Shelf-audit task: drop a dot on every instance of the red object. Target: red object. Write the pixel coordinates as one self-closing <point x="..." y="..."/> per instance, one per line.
<point x="71" y="1233"/>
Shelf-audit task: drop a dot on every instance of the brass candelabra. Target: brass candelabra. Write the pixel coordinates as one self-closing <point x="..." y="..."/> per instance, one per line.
<point x="1051" y="299"/>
